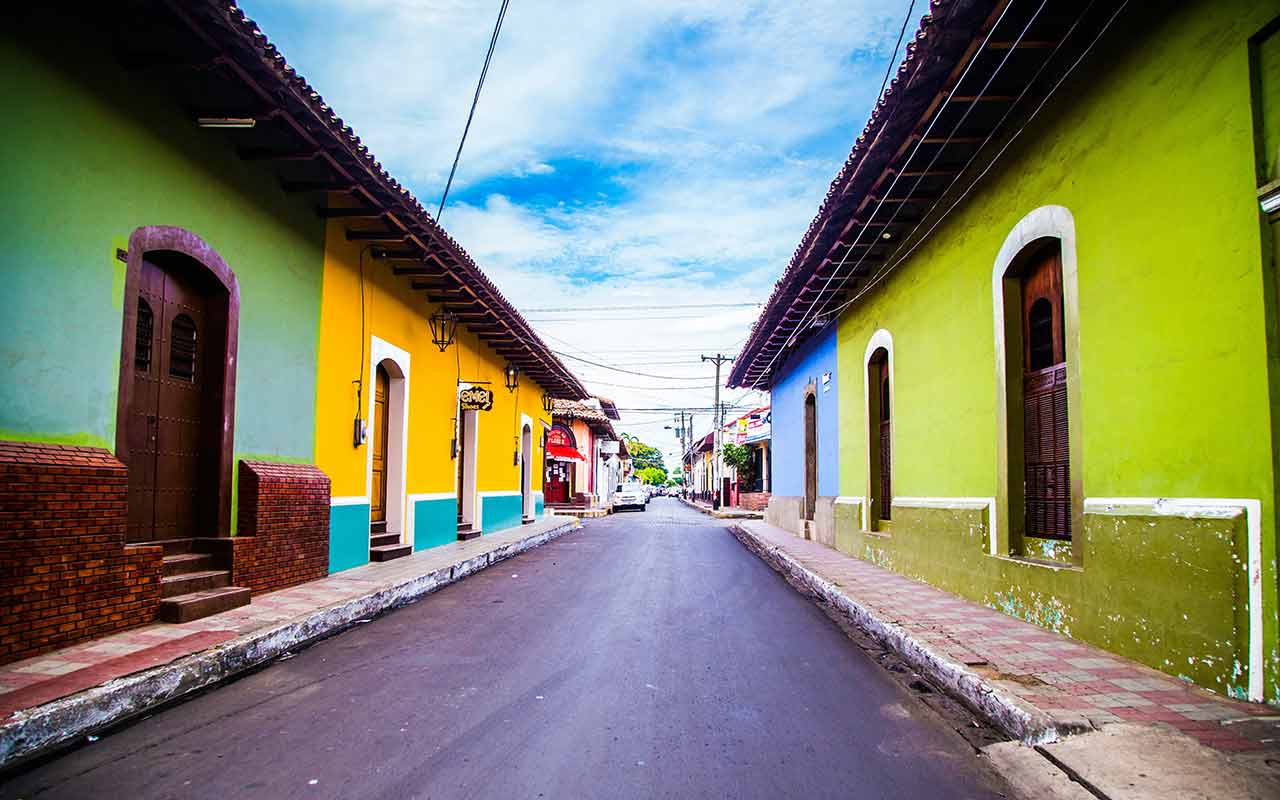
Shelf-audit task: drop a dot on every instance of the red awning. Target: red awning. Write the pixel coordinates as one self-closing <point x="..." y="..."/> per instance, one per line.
<point x="564" y="452"/>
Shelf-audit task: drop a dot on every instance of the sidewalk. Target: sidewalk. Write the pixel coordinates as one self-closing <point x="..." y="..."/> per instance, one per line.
<point x="722" y="513"/>
<point x="1035" y="685"/>
<point x="56" y="697"/>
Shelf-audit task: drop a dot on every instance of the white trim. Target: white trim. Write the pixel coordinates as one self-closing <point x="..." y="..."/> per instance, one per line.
<point x="350" y="500"/>
<point x="500" y="494"/>
<point x="467" y="491"/>
<point x="397" y="432"/>
<point x="526" y="467"/>
<point x="958" y="504"/>
<point x="1213" y="507"/>
<point x="881" y="338"/>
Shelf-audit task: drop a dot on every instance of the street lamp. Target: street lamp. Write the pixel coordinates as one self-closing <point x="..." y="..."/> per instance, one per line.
<point x="443" y="326"/>
<point x="512" y="376"/>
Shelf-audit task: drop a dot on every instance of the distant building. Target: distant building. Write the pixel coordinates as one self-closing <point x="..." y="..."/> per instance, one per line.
<point x="586" y="459"/>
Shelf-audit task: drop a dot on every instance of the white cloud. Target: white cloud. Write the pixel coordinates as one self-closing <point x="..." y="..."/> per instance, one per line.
<point x="728" y="119"/>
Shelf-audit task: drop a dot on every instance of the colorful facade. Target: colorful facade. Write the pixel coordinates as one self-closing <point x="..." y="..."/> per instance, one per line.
<point x="586" y="458"/>
<point x="1056" y="380"/>
<point x="191" y="391"/>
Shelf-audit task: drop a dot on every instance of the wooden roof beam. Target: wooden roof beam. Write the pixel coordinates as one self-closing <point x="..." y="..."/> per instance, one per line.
<point x="376" y="236"/>
<point x="276" y="154"/>
<point x="351" y="213"/>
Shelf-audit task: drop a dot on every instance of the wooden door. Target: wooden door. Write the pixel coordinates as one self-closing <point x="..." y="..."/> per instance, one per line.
<point x="381" y="392"/>
<point x="810" y="456"/>
<point x="557" y="482"/>
<point x="462" y="463"/>
<point x="886" y="445"/>
<point x="165" y="419"/>
<point x="1046" y="451"/>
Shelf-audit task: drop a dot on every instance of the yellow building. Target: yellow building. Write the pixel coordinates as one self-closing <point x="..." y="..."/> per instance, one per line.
<point x="411" y="333"/>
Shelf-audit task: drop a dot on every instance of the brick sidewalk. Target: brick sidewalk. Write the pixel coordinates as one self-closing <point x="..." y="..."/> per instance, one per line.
<point x="34" y="682"/>
<point x="1073" y="685"/>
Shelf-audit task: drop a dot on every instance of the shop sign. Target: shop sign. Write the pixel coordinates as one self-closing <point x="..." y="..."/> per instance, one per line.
<point x="475" y="398"/>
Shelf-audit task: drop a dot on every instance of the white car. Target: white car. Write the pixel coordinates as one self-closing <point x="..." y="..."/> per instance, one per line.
<point x="631" y="495"/>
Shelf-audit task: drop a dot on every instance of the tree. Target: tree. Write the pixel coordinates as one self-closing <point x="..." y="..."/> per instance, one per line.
<point x="739" y="457"/>
<point x="653" y="476"/>
<point x="643" y="455"/>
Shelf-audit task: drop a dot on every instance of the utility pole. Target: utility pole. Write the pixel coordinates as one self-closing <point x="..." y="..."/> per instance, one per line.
<point x="717" y="359"/>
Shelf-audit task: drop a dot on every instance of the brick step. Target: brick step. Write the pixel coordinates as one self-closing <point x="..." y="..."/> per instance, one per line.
<point x="466" y="532"/>
<point x="387" y="552"/>
<point x="172" y="547"/>
<point x="187" y="562"/>
<point x="378" y="527"/>
<point x="379" y="539"/>
<point x="196" y="605"/>
<point x="188" y="582"/>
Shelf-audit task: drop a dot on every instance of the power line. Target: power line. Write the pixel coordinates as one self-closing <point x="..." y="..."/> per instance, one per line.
<point x="563" y="354"/>
<point x="893" y="58"/>
<point x="813" y="304"/>
<point x="641" y="308"/>
<point x="493" y="42"/>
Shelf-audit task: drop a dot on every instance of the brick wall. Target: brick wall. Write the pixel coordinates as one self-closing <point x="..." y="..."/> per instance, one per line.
<point x="65" y="572"/>
<point x="283" y="534"/>
<point x="753" y="501"/>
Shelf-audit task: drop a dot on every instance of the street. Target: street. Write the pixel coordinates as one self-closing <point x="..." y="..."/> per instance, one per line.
<point x="647" y="655"/>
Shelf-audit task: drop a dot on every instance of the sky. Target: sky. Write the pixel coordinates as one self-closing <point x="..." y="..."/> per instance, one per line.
<point x="627" y="158"/>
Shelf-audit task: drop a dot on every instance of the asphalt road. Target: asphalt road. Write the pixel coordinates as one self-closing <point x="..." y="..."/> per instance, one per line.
<point x="647" y="655"/>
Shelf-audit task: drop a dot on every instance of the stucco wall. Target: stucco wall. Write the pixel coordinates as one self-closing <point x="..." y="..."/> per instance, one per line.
<point x="398" y="315"/>
<point x="1173" y="329"/>
<point x="93" y="155"/>
<point x="804" y="367"/>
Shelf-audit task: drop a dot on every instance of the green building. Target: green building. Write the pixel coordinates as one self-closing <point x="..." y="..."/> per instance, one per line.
<point x="1049" y="263"/>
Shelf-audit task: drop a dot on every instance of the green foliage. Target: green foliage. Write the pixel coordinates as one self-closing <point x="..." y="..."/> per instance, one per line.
<point x="653" y="476"/>
<point x="738" y="456"/>
<point x="644" y="455"/>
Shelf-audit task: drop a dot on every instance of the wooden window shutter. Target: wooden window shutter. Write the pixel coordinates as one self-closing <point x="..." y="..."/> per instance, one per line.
<point x="182" y="348"/>
<point x="143" y="331"/>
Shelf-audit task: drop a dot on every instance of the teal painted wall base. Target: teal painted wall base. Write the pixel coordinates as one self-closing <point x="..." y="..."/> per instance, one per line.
<point x="538" y="504"/>
<point x="348" y="536"/>
<point x="435" y="522"/>
<point x="500" y="512"/>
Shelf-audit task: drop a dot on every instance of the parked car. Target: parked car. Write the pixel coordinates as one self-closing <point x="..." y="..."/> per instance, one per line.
<point x="631" y="495"/>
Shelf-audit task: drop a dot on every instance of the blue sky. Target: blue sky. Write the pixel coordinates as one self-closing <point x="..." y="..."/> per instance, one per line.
<point x="623" y="153"/>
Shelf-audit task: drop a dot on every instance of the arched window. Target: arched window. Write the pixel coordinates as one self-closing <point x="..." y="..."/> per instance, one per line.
<point x="143" y="334"/>
<point x="182" y="348"/>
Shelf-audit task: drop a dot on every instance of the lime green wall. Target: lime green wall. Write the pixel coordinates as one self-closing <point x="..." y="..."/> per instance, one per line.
<point x="92" y="153"/>
<point x="1151" y="149"/>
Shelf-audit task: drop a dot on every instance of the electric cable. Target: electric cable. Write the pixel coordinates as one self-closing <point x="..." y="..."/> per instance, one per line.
<point x="493" y="42"/>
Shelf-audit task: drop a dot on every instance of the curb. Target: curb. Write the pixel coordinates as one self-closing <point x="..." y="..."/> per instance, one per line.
<point x="1012" y="717"/>
<point x="44" y="728"/>
<point x="735" y="514"/>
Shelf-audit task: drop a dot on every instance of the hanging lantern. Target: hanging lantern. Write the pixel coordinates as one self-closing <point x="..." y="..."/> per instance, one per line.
<point x="512" y="377"/>
<point x="547" y="403"/>
<point x="443" y="326"/>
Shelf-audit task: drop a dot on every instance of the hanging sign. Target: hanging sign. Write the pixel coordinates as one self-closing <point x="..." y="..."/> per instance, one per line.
<point x="475" y="398"/>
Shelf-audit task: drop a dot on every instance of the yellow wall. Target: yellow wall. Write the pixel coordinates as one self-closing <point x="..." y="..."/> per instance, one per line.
<point x="398" y="314"/>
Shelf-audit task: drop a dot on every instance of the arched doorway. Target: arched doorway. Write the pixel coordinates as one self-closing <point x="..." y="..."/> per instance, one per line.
<point x="526" y="472"/>
<point x="176" y="393"/>
<point x="810" y="455"/>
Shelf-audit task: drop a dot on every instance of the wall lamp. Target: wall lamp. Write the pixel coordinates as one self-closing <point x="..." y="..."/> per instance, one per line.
<point x="443" y="326"/>
<point x="511" y="375"/>
<point x="547" y="403"/>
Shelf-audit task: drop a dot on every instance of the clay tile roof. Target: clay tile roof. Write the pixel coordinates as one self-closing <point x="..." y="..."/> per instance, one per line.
<point x="227" y="26"/>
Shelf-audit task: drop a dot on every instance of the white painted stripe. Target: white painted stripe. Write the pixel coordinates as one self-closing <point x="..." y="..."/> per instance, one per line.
<point x="959" y="503"/>
<point x="413" y="498"/>
<point x="1213" y="507"/>
<point x="348" y="501"/>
